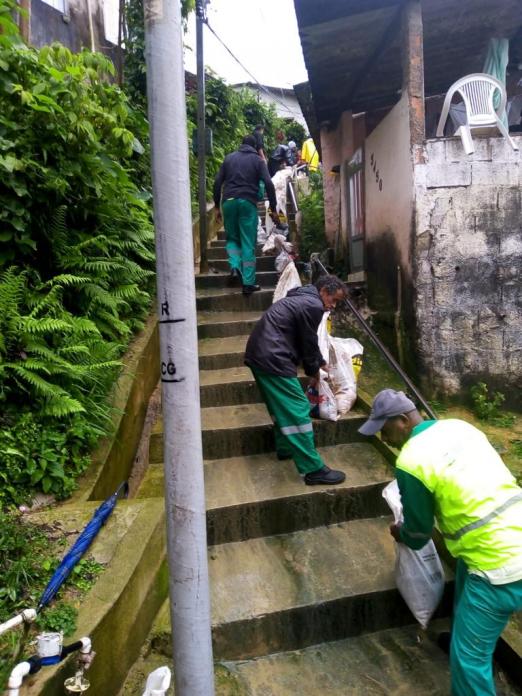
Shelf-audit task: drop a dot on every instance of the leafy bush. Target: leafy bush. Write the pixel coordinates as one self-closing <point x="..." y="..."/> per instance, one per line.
<point x="486" y="406"/>
<point x="313" y="238"/>
<point x="76" y="255"/>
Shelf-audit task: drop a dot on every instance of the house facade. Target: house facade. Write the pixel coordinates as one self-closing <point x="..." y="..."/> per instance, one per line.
<point x="283" y="99"/>
<point x="436" y="234"/>
<point x="91" y="24"/>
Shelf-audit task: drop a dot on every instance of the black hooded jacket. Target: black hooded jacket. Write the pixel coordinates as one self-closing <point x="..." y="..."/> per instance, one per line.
<point x="239" y="176"/>
<point x="286" y="335"/>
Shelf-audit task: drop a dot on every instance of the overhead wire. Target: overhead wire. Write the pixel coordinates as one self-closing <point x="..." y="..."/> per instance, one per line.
<point x="254" y="78"/>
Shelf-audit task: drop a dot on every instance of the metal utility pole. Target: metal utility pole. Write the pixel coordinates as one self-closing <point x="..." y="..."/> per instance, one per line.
<point x="202" y="139"/>
<point x="183" y="460"/>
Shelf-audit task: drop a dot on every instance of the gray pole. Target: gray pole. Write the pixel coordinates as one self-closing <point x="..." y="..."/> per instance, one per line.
<point x="202" y="145"/>
<point x="183" y="460"/>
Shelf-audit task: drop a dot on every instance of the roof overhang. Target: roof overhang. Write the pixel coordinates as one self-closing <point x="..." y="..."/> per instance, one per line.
<point x="352" y="48"/>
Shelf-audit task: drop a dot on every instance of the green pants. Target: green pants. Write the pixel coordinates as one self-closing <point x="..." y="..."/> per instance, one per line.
<point x="290" y="411"/>
<point x="482" y="611"/>
<point x="240" y="218"/>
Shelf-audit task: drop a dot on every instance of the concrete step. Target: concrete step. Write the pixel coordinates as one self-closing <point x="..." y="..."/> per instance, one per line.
<point x="228" y="387"/>
<point x="226" y="324"/>
<point x="220" y="263"/>
<point x="232" y="431"/>
<point x="290" y="591"/>
<point x="256" y="496"/>
<point x="267" y="279"/>
<point x="218" y="243"/>
<point x="232" y="299"/>
<point x="119" y="610"/>
<point x="220" y="353"/>
<point x="393" y="662"/>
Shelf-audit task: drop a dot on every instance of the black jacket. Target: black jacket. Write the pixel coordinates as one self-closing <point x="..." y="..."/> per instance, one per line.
<point x="240" y="174"/>
<point x="286" y="335"/>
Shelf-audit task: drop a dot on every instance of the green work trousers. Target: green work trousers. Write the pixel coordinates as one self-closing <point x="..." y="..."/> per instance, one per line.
<point x="481" y="613"/>
<point x="290" y="411"/>
<point x="240" y="218"/>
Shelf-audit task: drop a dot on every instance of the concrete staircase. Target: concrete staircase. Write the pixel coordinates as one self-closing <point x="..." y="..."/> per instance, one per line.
<point x="302" y="587"/>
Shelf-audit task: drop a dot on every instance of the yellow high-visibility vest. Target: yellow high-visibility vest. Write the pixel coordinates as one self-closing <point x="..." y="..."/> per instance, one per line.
<point x="309" y="154"/>
<point x="478" y="504"/>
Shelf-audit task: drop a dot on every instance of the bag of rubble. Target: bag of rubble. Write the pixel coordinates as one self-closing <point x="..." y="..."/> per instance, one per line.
<point x="419" y="574"/>
<point x="343" y="379"/>
<point x="322" y="399"/>
<point x="262" y="236"/>
<point x="288" y="280"/>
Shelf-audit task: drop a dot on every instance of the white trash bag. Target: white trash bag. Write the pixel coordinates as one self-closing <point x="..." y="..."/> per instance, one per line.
<point x="289" y="279"/>
<point x="327" y="402"/>
<point x="342" y="375"/>
<point x="158" y="682"/>
<point x="261" y="232"/>
<point x="324" y="337"/>
<point x="419" y="574"/>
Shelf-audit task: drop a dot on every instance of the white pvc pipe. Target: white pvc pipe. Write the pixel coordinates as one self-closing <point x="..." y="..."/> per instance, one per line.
<point x="27" y="616"/>
<point x="183" y="459"/>
<point x="17" y="677"/>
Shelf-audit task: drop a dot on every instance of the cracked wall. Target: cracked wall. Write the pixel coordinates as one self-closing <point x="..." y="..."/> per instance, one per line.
<point x="467" y="265"/>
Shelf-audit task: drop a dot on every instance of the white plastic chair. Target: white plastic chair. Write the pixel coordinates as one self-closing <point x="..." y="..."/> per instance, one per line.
<point x="477" y="91"/>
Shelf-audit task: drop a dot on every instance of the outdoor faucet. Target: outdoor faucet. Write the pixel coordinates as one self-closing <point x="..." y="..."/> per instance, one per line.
<point x="51" y="651"/>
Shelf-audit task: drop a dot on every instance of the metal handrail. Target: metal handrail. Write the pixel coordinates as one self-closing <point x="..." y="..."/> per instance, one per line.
<point x="384" y="351"/>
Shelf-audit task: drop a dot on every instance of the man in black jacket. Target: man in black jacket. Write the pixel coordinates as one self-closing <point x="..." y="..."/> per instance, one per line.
<point x="237" y="183"/>
<point x="284" y="337"/>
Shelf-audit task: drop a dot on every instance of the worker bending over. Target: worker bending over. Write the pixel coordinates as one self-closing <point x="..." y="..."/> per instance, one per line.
<point x="284" y="337"/>
<point x="448" y="472"/>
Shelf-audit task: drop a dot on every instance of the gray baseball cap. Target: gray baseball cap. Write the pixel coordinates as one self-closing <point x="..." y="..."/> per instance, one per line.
<point x="387" y="404"/>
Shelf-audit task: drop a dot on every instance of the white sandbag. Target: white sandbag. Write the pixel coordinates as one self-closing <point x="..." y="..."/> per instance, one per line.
<point x="261" y="232"/>
<point x="280" y="180"/>
<point x="342" y="375"/>
<point x="327" y="403"/>
<point x="158" y="682"/>
<point x="419" y="574"/>
<point x="289" y="279"/>
<point x="324" y="337"/>
<point x="269" y="245"/>
<point x="282" y="260"/>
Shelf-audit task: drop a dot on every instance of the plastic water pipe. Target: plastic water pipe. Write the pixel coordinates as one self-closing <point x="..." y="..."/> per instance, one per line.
<point x="26" y="616"/>
<point x="50" y="652"/>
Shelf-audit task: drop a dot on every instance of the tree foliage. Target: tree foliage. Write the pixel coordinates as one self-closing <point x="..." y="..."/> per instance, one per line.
<point x="76" y="254"/>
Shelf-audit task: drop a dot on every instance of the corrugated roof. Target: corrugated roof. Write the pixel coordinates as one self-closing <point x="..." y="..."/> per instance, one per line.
<point x="341" y="39"/>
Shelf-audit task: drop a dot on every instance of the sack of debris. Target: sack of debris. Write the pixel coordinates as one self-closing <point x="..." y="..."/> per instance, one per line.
<point x="322" y="399"/>
<point x="343" y="379"/>
<point x="419" y="574"/>
<point x="289" y="279"/>
<point x="262" y="236"/>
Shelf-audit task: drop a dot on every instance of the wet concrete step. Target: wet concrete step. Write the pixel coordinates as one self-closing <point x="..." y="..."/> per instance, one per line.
<point x="266" y="279"/>
<point x="232" y="299"/>
<point x="232" y="431"/>
<point x="220" y="353"/>
<point x="220" y="263"/>
<point x="392" y="662"/>
<point x="290" y="591"/>
<point x="256" y="496"/>
<point x="226" y="324"/>
<point x="218" y="243"/>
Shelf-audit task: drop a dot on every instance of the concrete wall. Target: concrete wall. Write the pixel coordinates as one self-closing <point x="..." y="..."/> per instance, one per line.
<point x="389" y="207"/>
<point x="468" y="251"/>
<point x="71" y="29"/>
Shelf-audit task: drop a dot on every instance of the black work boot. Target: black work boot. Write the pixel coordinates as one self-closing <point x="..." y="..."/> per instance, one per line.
<point x="249" y="289"/>
<point x="235" y="278"/>
<point x="324" y="477"/>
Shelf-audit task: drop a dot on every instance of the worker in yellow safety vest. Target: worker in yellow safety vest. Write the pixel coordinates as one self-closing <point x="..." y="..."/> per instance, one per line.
<point x="449" y="473"/>
<point x="310" y="155"/>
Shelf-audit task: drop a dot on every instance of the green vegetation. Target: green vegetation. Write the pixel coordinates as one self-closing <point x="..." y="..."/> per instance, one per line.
<point x="313" y="237"/>
<point x="486" y="406"/>
<point x="76" y="256"/>
<point x="28" y="558"/>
